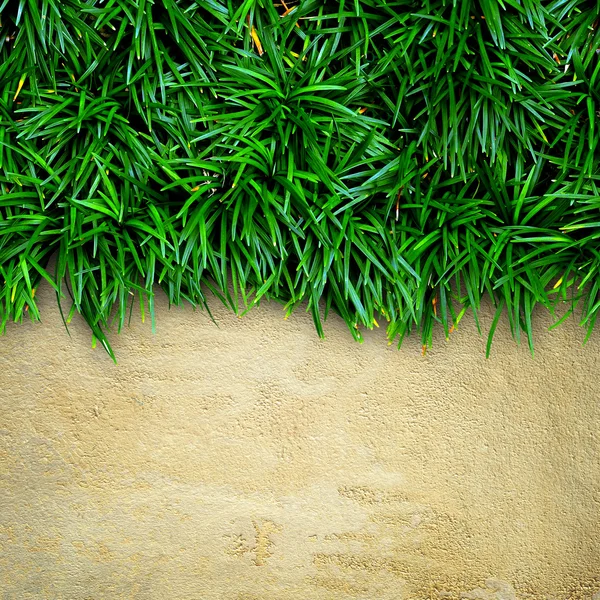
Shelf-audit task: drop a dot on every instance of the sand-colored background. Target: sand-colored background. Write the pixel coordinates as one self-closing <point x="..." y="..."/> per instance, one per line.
<point x="254" y="461"/>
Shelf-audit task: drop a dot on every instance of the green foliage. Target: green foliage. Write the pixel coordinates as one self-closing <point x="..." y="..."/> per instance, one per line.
<point x="368" y="157"/>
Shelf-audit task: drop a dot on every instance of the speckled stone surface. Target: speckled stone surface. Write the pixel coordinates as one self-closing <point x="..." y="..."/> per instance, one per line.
<point x="253" y="461"/>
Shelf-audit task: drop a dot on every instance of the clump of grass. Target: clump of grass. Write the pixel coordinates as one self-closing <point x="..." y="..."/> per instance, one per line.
<point x="379" y="159"/>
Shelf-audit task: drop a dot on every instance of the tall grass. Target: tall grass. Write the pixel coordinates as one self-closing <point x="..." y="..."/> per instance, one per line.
<point x="385" y="160"/>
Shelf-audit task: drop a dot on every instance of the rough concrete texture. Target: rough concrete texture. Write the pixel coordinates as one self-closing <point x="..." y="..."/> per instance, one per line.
<point x="254" y="461"/>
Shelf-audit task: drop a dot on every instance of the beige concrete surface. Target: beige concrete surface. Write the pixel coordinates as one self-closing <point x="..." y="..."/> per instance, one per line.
<point x="254" y="461"/>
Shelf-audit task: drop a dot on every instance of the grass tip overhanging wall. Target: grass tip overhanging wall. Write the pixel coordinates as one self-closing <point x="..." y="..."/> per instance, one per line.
<point x="384" y="160"/>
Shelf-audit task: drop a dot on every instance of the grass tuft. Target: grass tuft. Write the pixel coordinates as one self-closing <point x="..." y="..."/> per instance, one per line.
<point x="391" y="160"/>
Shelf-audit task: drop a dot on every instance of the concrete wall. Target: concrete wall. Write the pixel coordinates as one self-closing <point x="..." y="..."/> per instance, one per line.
<point x="256" y="462"/>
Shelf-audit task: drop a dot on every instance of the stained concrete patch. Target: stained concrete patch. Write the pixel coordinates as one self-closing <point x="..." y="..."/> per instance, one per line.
<point x="254" y="461"/>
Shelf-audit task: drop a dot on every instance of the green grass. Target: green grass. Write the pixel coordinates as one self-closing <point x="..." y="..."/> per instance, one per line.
<point x="388" y="161"/>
